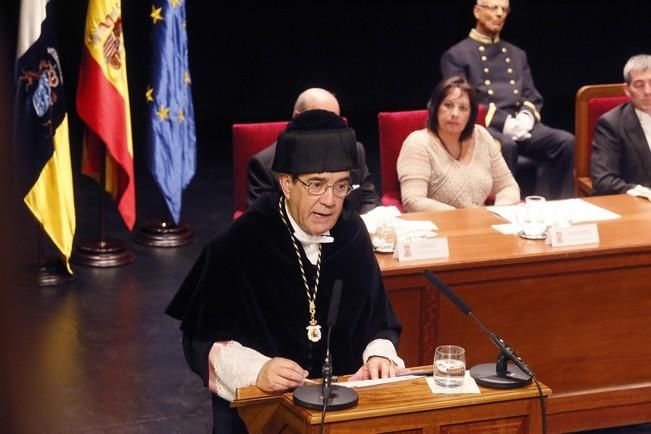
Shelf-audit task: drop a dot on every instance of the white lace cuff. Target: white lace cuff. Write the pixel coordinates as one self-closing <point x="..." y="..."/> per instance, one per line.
<point x="382" y="348"/>
<point x="236" y="366"/>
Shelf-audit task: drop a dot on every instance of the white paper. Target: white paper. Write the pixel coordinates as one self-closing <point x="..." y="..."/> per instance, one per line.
<point x="640" y="191"/>
<point x="507" y="228"/>
<point x="576" y="210"/>
<point x="469" y="386"/>
<point x="366" y="383"/>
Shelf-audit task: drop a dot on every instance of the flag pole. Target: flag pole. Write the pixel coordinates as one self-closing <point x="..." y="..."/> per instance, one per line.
<point x="104" y="252"/>
<point x="51" y="271"/>
<point x="164" y="233"/>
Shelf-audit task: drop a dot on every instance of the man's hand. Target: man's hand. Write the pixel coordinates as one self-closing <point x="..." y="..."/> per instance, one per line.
<point x="377" y="367"/>
<point x="518" y="127"/>
<point x="278" y="375"/>
<point x="525" y="119"/>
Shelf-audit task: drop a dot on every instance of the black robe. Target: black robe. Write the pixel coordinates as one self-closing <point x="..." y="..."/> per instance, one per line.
<point x="246" y="286"/>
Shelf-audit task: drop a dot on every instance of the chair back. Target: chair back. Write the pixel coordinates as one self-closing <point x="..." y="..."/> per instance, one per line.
<point x="592" y="101"/>
<point x="393" y="128"/>
<point x="248" y="140"/>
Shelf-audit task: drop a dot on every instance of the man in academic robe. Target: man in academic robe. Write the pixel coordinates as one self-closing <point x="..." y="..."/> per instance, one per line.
<point x="499" y="71"/>
<point x="254" y="306"/>
<point x="621" y="146"/>
<point x="262" y="179"/>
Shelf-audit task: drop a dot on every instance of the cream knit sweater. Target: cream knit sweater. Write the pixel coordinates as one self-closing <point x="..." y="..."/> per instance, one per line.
<point x="430" y="179"/>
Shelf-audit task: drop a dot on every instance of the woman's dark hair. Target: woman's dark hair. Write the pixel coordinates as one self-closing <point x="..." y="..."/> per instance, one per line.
<point x="438" y="95"/>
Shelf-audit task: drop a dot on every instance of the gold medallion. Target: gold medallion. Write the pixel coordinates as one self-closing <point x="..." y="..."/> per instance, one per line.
<point x="314" y="332"/>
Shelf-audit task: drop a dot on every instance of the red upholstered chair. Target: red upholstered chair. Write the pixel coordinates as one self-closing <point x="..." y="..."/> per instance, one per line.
<point x="591" y="102"/>
<point x="394" y="127"/>
<point x="248" y="140"/>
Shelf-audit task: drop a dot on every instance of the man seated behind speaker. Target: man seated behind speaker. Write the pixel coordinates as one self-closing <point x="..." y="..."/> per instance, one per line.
<point x="261" y="178"/>
<point x="621" y="153"/>
<point x="499" y="71"/>
<point x="254" y="306"/>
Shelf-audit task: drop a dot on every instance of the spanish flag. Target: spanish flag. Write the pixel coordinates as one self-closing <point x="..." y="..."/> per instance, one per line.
<point x="103" y="104"/>
<point x="41" y="129"/>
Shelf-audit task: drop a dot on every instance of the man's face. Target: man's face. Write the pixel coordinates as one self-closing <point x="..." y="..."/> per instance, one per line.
<point x="640" y="89"/>
<point x="315" y="214"/>
<point x="491" y="16"/>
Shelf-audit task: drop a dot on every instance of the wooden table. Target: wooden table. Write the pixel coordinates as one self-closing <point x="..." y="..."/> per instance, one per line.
<point x="406" y="407"/>
<point x="580" y="316"/>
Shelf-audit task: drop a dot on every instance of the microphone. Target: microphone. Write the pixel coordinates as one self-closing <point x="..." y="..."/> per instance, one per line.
<point x="487" y="374"/>
<point x="326" y="395"/>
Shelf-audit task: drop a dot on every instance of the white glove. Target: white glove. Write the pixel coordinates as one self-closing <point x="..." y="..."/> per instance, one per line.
<point x="525" y="119"/>
<point x="515" y="129"/>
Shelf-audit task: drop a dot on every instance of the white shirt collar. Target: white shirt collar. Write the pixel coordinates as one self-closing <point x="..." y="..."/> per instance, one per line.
<point x="645" y="121"/>
<point x="309" y="242"/>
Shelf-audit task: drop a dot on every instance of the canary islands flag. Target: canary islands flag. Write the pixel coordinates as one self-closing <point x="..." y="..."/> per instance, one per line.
<point x="171" y="154"/>
<point x="103" y="104"/>
<point x="41" y="129"/>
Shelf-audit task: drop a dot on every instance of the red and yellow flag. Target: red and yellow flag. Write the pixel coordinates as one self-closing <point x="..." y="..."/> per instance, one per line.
<point x="103" y="104"/>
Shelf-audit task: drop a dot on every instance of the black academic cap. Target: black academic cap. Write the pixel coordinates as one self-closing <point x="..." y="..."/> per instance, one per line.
<point x="316" y="141"/>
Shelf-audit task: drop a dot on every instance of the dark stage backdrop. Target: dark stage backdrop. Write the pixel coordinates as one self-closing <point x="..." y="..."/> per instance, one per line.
<point x="250" y="59"/>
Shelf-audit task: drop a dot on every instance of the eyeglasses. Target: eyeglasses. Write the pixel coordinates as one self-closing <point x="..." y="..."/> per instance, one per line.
<point x="494" y="8"/>
<point x="340" y="189"/>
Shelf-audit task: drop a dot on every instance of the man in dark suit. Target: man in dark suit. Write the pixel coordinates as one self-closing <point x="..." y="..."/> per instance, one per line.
<point x="621" y="153"/>
<point x="500" y="73"/>
<point x="263" y="180"/>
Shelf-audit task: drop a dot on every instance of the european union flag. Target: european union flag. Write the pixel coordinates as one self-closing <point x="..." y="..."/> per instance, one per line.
<point x="172" y="152"/>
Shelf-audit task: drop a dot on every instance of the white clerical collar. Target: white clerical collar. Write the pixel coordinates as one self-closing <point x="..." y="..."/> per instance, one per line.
<point x="309" y="242"/>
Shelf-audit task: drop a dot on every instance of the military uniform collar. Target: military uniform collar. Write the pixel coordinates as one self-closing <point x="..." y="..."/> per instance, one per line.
<point x="482" y="39"/>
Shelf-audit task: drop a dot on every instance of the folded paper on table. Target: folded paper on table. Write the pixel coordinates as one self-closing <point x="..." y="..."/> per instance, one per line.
<point x="469" y="386"/>
<point x="383" y="215"/>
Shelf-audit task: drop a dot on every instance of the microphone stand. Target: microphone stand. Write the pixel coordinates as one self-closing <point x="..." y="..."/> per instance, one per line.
<point x="327" y="396"/>
<point x="499" y="375"/>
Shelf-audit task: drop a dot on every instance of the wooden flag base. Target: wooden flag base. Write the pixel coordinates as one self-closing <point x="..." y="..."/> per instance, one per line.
<point x="53" y="272"/>
<point x="164" y="234"/>
<point x="102" y="254"/>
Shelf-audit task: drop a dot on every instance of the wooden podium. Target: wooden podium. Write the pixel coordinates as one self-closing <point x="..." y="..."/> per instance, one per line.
<point x="402" y="407"/>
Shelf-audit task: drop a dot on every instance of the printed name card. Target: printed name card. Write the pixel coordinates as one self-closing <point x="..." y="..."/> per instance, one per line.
<point x="574" y="235"/>
<point x="422" y="248"/>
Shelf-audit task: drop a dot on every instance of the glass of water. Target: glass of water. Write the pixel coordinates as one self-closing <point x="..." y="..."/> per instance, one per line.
<point x="534" y="219"/>
<point x="449" y="365"/>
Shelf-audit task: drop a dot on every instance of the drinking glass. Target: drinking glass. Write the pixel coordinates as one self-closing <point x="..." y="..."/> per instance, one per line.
<point x="449" y="365"/>
<point x="384" y="238"/>
<point x="534" y="220"/>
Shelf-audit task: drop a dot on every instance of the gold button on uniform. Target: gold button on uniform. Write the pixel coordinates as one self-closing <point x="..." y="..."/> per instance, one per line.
<point x="510" y="70"/>
<point x="486" y="70"/>
<point x="503" y="49"/>
<point x="515" y="91"/>
<point x="487" y="82"/>
<point x="482" y="48"/>
<point x="483" y="58"/>
<point x="490" y="91"/>
<point x="507" y="60"/>
<point x="512" y="82"/>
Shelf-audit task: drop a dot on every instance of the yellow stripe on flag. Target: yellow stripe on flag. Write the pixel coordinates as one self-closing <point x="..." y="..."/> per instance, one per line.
<point x="51" y="199"/>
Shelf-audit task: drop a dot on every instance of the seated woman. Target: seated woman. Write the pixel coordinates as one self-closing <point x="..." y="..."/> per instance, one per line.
<point x="453" y="163"/>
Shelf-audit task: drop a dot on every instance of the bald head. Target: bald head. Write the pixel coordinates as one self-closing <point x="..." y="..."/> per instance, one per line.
<point x="316" y="98"/>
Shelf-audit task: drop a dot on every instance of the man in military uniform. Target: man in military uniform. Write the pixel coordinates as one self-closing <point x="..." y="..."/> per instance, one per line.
<point x="500" y="73"/>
